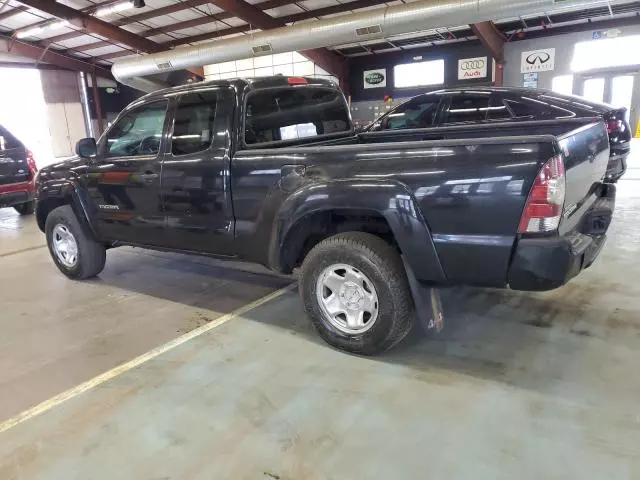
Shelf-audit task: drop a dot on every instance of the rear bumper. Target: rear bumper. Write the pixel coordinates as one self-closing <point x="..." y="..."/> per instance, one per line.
<point x="617" y="165"/>
<point x="16" y="193"/>
<point x="541" y="264"/>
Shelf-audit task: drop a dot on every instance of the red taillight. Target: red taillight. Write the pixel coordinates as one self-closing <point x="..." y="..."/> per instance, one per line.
<point x="297" y="81"/>
<point x="543" y="209"/>
<point x="31" y="163"/>
<point x="614" y="126"/>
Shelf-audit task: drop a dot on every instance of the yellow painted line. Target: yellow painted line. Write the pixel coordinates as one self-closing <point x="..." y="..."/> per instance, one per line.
<point x="145" y="357"/>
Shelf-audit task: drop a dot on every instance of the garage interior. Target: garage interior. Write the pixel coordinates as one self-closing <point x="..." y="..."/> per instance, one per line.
<point x="175" y="366"/>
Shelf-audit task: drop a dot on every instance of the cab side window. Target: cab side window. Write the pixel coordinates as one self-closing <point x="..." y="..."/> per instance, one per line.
<point x="139" y="132"/>
<point x="417" y="113"/>
<point x="193" y="124"/>
<point x="465" y="108"/>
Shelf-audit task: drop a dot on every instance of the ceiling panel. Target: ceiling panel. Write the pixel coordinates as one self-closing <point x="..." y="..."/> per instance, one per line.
<point x="23" y="19"/>
<point x="76" y="42"/>
<point x="96" y="52"/>
<point x="234" y="22"/>
<point x="212" y="27"/>
<point x="184" y="15"/>
<point x="77" y="4"/>
<point x="161" y="38"/>
<point x="284" y="10"/>
<point x="315" y="4"/>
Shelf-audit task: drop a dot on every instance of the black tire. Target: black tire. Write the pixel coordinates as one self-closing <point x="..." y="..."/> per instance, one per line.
<point x="91" y="254"/>
<point x="26" y="208"/>
<point x="382" y="265"/>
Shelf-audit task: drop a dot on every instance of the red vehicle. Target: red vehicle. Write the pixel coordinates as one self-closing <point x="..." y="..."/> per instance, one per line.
<point x="17" y="174"/>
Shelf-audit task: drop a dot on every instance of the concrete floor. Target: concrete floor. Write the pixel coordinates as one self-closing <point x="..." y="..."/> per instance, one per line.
<point x="517" y="386"/>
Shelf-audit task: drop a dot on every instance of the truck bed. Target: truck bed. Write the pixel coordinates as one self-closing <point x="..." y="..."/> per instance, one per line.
<point x="467" y="184"/>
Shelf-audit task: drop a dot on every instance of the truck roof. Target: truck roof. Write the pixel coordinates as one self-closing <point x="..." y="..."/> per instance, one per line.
<point x="244" y="83"/>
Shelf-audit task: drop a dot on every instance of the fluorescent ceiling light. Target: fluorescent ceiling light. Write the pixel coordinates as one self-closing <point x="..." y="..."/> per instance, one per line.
<point x="118" y="7"/>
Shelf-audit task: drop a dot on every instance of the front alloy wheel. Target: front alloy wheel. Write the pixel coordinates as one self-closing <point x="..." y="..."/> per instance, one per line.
<point x="65" y="246"/>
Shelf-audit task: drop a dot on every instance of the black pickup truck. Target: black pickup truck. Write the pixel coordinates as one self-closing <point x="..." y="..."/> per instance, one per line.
<point x="271" y="171"/>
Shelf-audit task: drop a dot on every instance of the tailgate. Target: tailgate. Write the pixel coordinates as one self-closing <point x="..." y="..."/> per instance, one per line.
<point x="13" y="166"/>
<point x="586" y="154"/>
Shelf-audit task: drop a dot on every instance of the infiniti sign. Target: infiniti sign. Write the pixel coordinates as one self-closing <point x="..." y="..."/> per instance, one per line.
<point x="538" y="60"/>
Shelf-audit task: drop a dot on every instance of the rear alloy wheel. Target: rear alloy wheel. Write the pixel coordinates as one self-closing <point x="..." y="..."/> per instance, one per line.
<point x="347" y="298"/>
<point x="75" y="252"/>
<point x="355" y="290"/>
<point x="26" y="208"/>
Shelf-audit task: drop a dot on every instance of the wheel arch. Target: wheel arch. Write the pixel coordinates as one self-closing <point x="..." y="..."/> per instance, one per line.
<point x="387" y="209"/>
<point x="64" y="194"/>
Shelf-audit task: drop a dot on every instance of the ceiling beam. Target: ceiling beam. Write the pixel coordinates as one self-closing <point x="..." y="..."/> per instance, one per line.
<point x="91" y="24"/>
<point x="331" y="62"/>
<point x="12" y="12"/>
<point x="293" y="18"/>
<point x="94" y="25"/>
<point x="50" y="56"/>
<point x="168" y="10"/>
<point x="491" y="38"/>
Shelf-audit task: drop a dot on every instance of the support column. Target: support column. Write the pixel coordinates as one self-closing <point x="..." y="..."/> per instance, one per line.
<point x="96" y="100"/>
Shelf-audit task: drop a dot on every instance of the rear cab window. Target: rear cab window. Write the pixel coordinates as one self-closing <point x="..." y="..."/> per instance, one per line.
<point x="289" y="115"/>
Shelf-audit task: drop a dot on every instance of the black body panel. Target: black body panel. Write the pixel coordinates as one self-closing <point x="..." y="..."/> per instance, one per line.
<point x="452" y="197"/>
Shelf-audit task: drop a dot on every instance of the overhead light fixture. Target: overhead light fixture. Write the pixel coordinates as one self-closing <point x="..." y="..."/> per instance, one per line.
<point x="139" y="4"/>
<point x="111" y="9"/>
<point x="31" y="32"/>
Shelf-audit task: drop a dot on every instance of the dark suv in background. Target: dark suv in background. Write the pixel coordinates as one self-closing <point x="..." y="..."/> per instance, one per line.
<point x="486" y="105"/>
<point x="17" y="174"/>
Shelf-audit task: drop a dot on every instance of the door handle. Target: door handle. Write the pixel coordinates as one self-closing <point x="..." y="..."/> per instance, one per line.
<point x="148" y="176"/>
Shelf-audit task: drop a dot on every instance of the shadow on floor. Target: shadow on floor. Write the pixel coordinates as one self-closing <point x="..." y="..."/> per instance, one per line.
<point x="524" y="339"/>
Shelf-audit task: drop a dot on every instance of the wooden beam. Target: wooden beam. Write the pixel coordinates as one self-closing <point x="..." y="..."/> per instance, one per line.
<point x="92" y="24"/>
<point x="12" y="12"/>
<point x="50" y="56"/>
<point x="492" y="39"/>
<point x="159" y="12"/>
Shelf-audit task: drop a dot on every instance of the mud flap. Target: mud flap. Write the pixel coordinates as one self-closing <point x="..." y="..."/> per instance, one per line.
<point x="427" y="302"/>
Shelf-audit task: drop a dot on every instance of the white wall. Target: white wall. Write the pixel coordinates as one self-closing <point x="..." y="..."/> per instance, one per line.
<point x="291" y="63"/>
<point x="564" y="45"/>
<point x="64" y="110"/>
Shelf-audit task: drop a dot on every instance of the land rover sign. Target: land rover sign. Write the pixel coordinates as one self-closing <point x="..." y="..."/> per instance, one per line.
<point x="375" y="78"/>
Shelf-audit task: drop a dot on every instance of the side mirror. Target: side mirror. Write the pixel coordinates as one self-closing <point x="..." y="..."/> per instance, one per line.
<point x="87" y="148"/>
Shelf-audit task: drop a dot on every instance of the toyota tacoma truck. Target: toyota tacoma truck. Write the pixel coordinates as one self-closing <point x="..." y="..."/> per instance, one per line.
<point x="271" y="171"/>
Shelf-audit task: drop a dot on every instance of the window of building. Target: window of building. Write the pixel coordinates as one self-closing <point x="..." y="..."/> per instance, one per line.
<point x="294" y="113"/>
<point x="467" y="108"/>
<point x="606" y="53"/>
<point x="418" y="74"/>
<point x="417" y="113"/>
<point x="139" y="132"/>
<point x="193" y="125"/>
<point x="562" y="84"/>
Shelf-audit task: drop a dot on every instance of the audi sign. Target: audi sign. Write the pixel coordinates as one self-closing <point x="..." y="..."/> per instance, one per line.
<point x="470" y="68"/>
